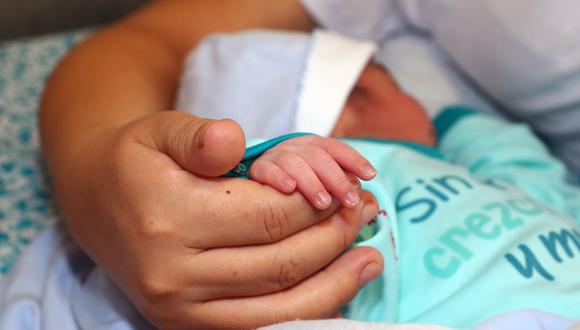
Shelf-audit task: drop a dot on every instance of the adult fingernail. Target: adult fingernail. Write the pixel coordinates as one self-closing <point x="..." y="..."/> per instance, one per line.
<point x="322" y="199"/>
<point x="369" y="171"/>
<point x="352" y="198"/>
<point x="369" y="273"/>
<point x="369" y="212"/>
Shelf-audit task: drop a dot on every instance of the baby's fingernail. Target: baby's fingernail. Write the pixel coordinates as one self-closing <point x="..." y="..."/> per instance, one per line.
<point x="369" y="171"/>
<point x="352" y="198"/>
<point x="322" y="199"/>
<point x="287" y="183"/>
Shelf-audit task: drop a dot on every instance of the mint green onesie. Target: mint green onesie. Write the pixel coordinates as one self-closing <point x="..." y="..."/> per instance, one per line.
<point x="484" y="224"/>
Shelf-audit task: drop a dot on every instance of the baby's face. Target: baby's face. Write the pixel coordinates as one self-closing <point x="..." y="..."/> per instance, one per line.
<point x="378" y="108"/>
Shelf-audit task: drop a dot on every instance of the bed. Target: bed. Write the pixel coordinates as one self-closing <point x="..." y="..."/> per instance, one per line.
<point x="26" y="204"/>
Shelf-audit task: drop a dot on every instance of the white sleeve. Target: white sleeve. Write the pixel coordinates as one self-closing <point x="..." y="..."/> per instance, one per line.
<point x="524" y="54"/>
<point x="368" y="19"/>
<point x="333" y="67"/>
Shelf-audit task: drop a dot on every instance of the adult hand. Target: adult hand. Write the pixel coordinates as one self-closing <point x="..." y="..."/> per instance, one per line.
<point x="194" y="252"/>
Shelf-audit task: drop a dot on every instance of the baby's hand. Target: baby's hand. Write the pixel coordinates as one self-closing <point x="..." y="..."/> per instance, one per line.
<point x="316" y="166"/>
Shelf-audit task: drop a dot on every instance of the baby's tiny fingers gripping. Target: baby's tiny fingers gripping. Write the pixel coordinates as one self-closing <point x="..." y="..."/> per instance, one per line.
<point x="265" y="171"/>
<point x="330" y="173"/>
<point x="307" y="182"/>
<point x="348" y="158"/>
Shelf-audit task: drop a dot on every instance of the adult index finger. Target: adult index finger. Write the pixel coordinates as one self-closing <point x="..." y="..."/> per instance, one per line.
<point x="236" y="212"/>
<point x="267" y="268"/>
<point x="319" y="296"/>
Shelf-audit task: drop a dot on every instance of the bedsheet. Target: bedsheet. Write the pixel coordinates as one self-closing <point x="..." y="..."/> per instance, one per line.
<point x="26" y="205"/>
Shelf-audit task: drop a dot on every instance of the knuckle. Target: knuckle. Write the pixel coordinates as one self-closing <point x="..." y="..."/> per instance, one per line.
<point x="342" y="241"/>
<point x="187" y="133"/>
<point x="337" y="300"/>
<point x="289" y="158"/>
<point x="313" y="183"/>
<point x="257" y="169"/>
<point x="157" y="289"/>
<point x="269" y="171"/>
<point x="291" y="269"/>
<point x="275" y="222"/>
<point x="343" y="183"/>
<point x="315" y="152"/>
<point x="153" y="228"/>
<point x="330" y="164"/>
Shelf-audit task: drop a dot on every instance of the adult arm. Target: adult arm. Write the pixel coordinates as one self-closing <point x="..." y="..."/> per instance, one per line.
<point x="131" y="69"/>
<point x="187" y="250"/>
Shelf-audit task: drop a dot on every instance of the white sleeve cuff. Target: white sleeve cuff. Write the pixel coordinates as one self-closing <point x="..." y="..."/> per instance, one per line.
<point x="332" y="69"/>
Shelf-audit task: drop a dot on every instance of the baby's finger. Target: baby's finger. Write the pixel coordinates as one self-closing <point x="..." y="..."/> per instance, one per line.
<point x="306" y="180"/>
<point x="266" y="172"/>
<point x="332" y="175"/>
<point x="348" y="158"/>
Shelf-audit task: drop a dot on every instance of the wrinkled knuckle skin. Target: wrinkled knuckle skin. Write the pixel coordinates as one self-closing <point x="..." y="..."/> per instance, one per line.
<point x="342" y="182"/>
<point x="342" y="241"/>
<point x="155" y="229"/>
<point x="291" y="270"/>
<point x="261" y="170"/>
<point x="313" y="181"/>
<point x="188" y="133"/>
<point x="275" y="222"/>
<point x="157" y="289"/>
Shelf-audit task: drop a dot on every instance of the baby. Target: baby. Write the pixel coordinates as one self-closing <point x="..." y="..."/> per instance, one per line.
<point x="477" y="219"/>
<point x="318" y="166"/>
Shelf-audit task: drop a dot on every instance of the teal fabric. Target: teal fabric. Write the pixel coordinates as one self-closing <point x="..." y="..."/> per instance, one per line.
<point x="490" y="229"/>
<point x="449" y="117"/>
<point x="258" y="147"/>
<point x="242" y="169"/>
<point x="471" y="236"/>
<point x="25" y="198"/>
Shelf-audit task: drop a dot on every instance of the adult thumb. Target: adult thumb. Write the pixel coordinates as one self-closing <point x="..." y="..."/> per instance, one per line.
<point x="201" y="146"/>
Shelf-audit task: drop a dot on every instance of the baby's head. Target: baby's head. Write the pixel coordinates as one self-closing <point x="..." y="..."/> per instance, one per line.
<point x="378" y="108"/>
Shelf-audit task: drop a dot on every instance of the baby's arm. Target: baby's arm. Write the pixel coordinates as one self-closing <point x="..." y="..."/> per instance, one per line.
<point x="492" y="148"/>
<point x="315" y="166"/>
